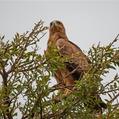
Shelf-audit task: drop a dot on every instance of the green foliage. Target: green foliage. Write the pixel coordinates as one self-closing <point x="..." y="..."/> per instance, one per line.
<point x="55" y="60"/>
<point x="26" y="93"/>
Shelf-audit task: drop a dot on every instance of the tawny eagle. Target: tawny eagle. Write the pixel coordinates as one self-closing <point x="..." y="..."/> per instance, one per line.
<point x="78" y="63"/>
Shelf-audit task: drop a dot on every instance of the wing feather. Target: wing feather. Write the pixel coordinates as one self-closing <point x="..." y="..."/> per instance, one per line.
<point x="77" y="59"/>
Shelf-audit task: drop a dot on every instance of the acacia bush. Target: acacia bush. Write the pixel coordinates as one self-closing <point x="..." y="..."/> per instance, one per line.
<point x="25" y="91"/>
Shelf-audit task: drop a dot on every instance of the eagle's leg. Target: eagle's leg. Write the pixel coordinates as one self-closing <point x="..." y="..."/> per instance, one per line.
<point x="60" y="82"/>
<point x="60" y="85"/>
<point x="65" y="84"/>
<point x="69" y="84"/>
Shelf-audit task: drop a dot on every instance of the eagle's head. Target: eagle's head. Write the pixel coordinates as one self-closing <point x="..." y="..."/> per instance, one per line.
<point x="56" y="26"/>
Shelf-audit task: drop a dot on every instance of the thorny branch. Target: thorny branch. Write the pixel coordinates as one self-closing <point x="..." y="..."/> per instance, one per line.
<point x="12" y="61"/>
<point x="28" y="70"/>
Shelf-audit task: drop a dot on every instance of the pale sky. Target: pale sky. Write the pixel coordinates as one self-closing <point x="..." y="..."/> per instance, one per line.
<point x="87" y="22"/>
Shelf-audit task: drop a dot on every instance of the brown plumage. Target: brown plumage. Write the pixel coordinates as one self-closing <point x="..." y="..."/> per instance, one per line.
<point x="78" y="62"/>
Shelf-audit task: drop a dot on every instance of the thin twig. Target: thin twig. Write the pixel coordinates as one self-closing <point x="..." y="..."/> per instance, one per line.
<point x="114" y="98"/>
